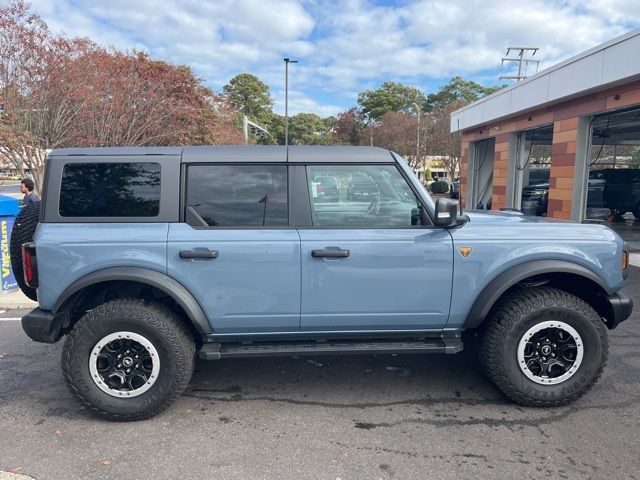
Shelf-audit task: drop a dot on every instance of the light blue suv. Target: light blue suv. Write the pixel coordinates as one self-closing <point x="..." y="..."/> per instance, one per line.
<point x="146" y="258"/>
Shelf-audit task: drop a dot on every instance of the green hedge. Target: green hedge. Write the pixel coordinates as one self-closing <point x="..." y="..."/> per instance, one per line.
<point x="439" y="187"/>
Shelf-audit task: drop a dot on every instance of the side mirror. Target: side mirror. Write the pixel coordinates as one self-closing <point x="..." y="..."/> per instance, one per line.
<point x="446" y="213"/>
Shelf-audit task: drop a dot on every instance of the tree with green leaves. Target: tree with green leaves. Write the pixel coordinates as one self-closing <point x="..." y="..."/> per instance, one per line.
<point x="250" y="95"/>
<point x="274" y="124"/>
<point x="439" y="140"/>
<point x="390" y="97"/>
<point x="458" y="90"/>
<point x="634" y="159"/>
<point x="310" y="129"/>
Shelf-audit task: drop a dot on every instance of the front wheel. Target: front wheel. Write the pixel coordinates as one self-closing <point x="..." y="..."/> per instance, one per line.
<point x="544" y="347"/>
<point x="128" y="359"/>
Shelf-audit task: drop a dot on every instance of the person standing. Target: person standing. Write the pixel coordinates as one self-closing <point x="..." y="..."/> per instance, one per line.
<point x="26" y="187"/>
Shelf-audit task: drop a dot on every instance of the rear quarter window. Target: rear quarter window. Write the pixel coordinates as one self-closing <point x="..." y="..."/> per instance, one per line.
<point x="110" y="190"/>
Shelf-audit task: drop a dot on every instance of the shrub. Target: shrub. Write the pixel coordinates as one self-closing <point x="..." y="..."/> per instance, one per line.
<point x="439" y="187"/>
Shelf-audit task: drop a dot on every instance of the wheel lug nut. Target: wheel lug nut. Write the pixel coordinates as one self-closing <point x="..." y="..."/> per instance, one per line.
<point x="128" y="370"/>
<point x="119" y="365"/>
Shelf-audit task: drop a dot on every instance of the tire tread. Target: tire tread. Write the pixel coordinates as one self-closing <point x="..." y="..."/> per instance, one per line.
<point x="166" y="322"/>
<point x="511" y="309"/>
<point x="23" y="230"/>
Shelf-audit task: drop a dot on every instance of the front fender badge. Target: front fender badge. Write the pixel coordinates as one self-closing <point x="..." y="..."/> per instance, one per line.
<point x="465" y="251"/>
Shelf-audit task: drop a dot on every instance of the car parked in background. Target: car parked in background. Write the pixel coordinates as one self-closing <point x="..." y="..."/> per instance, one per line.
<point x="620" y="190"/>
<point x="325" y="189"/>
<point x="455" y="188"/>
<point x="361" y="188"/>
<point x="616" y="190"/>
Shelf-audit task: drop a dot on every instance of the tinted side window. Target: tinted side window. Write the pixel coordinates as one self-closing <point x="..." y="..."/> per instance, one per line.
<point x="361" y="195"/>
<point x="110" y="190"/>
<point x="237" y="195"/>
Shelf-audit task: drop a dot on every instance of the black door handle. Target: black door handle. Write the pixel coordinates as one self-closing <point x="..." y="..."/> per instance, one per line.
<point x="204" y="253"/>
<point x="330" y="253"/>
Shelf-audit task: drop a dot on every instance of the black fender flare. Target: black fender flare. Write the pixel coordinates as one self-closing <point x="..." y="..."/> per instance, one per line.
<point x="507" y="279"/>
<point x="150" y="277"/>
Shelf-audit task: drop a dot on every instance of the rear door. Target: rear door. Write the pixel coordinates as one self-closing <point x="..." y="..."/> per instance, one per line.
<point x="235" y="250"/>
<point x="372" y="262"/>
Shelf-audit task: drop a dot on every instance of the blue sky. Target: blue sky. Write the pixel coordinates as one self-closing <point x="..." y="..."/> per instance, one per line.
<point x="344" y="47"/>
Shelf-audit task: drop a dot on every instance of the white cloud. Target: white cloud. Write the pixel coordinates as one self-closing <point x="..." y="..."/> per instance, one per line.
<point x="300" y="102"/>
<point x="344" y="46"/>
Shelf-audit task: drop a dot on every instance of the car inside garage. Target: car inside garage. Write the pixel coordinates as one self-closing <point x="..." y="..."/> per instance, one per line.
<point x="613" y="187"/>
<point x="532" y="170"/>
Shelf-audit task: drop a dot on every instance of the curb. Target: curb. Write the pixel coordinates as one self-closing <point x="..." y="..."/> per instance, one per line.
<point x="18" y="306"/>
<point x="16" y="300"/>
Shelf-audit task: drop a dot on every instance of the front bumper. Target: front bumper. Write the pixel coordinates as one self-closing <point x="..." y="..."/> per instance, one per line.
<point x="621" y="308"/>
<point x="43" y="326"/>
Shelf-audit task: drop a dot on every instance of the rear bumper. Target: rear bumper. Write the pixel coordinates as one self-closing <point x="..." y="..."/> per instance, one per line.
<point x="43" y="326"/>
<point x="621" y="306"/>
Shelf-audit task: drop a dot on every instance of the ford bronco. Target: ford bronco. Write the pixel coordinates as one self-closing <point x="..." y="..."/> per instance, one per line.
<point x="148" y="258"/>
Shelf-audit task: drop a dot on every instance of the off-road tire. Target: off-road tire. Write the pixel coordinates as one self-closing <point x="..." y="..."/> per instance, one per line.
<point x="159" y="325"/>
<point x="520" y="311"/>
<point x="23" y="230"/>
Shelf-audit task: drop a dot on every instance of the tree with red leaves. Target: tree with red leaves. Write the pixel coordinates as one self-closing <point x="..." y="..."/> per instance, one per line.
<point x="348" y="127"/>
<point x="58" y="92"/>
<point x="398" y="131"/>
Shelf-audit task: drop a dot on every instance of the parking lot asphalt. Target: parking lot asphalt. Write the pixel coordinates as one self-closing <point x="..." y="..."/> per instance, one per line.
<point x="352" y="417"/>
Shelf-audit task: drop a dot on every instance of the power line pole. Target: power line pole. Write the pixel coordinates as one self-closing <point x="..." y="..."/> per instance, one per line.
<point x="521" y="61"/>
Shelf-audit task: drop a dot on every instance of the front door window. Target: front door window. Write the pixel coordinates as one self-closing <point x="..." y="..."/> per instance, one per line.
<point x="374" y="196"/>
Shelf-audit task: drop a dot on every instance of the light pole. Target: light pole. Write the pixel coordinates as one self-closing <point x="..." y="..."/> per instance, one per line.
<point x="419" y="110"/>
<point x="370" y="131"/>
<point x="287" y="61"/>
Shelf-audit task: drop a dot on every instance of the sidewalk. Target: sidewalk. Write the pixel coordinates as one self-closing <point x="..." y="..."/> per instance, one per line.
<point x="16" y="300"/>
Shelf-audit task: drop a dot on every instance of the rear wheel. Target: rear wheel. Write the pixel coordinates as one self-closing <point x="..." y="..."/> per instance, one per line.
<point x="128" y="359"/>
<point x="544" y="347"/>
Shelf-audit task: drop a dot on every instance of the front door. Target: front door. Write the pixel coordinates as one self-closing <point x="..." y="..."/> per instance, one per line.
<point x="369" y="259"/>
<point x="235" y="251"/>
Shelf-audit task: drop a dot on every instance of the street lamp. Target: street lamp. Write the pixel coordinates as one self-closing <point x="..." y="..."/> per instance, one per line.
<point x="419" y="110"/>
<point x="287" y="61"/>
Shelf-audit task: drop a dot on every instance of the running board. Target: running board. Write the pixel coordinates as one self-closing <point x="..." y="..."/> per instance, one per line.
<point x="216" y="351"/>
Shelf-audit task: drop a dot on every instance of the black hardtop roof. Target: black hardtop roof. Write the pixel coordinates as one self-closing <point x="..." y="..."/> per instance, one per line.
<point x="239" y="153"/>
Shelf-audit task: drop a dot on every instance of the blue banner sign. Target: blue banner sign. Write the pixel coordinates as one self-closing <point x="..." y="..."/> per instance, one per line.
<point x="8" y="279"/>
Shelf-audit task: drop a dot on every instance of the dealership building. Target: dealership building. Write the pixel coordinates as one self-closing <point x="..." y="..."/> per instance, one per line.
<point x="564" y="143"/>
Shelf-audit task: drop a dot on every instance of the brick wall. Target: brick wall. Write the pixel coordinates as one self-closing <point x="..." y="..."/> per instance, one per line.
<point x="563" y="157"/>
<point x="500" y="161"/>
